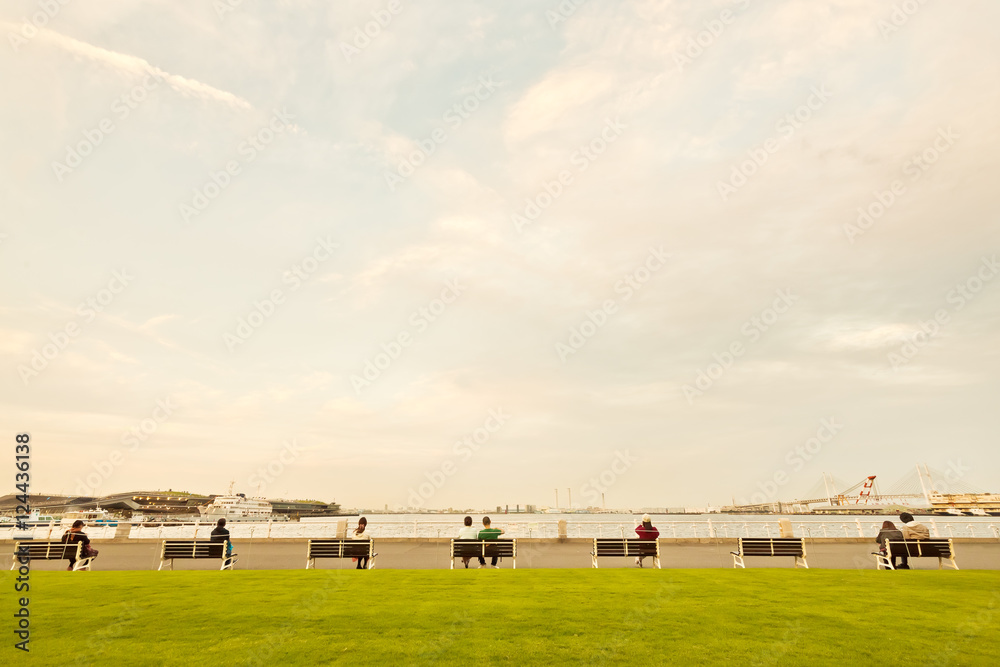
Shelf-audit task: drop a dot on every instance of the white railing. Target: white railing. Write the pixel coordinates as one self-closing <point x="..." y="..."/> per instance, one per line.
<point x="523" y="527"/>
<point x="53" y="530"/>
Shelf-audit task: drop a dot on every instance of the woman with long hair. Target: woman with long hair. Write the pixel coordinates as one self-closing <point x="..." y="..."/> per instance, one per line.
<point x="890" y="532"/>
<point x="359" y="534"/>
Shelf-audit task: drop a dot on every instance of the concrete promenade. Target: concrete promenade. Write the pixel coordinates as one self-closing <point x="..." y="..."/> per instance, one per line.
<point x="430" y="553"/>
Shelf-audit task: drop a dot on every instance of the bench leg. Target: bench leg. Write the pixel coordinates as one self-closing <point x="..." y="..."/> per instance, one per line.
<point x="656" y="561"/>
<point x="452" y="562"/>
<point x="593" y="559"/>
<point x="167" y="561"/>
<point x="804" y="563"/>
<point x="882" y="562"/>
<point x="310" y="563"/>
<point x="227" y="563"/>
<point x="738" y="561"/>
<point x="82" y="564"/>
<point x="514" y="561"/>
<point x="371" y="562"/>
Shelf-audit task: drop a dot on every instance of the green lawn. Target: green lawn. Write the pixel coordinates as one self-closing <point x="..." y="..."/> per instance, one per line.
<point x="402" y="617"/>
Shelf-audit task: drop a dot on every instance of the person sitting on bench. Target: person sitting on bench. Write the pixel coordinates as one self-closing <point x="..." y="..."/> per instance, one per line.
<point x="890" y="532"/>
<point x="912" y="531"/>
<point x="72" y="536"/>
<point x="488" y="533"/>
<point x="220" y="534"/>
<point x="645" y="531"/>
<point x="360" y="534"/>
<point x="468" y="532"/>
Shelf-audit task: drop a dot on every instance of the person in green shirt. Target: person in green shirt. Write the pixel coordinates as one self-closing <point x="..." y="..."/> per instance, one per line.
<point x="489" y="533"/>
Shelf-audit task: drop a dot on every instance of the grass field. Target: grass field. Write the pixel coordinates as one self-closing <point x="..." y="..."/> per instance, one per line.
<point x="638" y="617"/>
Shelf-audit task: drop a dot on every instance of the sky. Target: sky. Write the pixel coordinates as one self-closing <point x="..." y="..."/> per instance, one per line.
<point x="443" y="254"/>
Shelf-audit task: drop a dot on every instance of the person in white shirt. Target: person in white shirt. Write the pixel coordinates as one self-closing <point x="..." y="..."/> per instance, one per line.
<point x="468" y="532"/>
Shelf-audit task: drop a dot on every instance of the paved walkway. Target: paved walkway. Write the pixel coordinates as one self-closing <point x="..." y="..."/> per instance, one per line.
<point x="416" y="554"/>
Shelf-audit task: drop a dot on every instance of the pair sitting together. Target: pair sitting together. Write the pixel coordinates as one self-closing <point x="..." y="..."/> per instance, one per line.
<point x="469" y="532"/>
<point x="911" y="531"/>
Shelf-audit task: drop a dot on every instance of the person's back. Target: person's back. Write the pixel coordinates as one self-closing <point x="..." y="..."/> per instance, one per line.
<point x="220" y="534"/>
<point x="489" y="533"/>
<point x="916" y="531"/>
<point x="71" y="537"/>
<point x="888" y="534"/>
<point x="468" y="533"/>
<point x="913" y="530"/>
<point x="647" y="532"/>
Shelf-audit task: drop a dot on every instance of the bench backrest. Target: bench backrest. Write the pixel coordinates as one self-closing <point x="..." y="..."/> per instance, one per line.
<point x="772" y="546"/>
<point x="918" y="548"/>
<point x="486" y="548"/>
<point x="334" y="548"/>
<point x="615" y="546"/>
<point x="47" y="550"/>
<point x="193" y="549"/>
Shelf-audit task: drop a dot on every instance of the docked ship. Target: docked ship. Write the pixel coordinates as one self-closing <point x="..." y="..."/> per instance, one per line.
<point x="95" y="517"/>
<point x="968" y="504"/>
<point x="237" y="507"/>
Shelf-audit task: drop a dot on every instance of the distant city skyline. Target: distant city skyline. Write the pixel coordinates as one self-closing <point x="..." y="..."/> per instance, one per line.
<point x="461" y="255"/>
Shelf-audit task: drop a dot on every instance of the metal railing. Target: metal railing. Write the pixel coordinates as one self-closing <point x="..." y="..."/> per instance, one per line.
<point x="706" y="527"/>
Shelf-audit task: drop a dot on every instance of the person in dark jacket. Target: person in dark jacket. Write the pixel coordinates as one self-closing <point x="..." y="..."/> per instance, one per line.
<point x="221" y="534"/>
<point x="645" y="531"/>
<point x="74" y="535"/>
<point x="890" y="532"/>
<point x="360" y="534"/>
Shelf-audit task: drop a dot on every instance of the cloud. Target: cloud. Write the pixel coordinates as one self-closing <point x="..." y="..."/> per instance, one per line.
<point x="136" y="67"/>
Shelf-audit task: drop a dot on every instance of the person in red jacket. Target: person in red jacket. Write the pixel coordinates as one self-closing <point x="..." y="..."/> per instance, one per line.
<point x="645" y="531"/>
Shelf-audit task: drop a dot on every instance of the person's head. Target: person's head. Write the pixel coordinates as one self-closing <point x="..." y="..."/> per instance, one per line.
<point x="486" y="521"/>
<point x="77" y="525"/>
<point x="906" y="517"/>
<point x="362" y="524"/>
<point x="221" y="523"/>
<point x="888" y="525"/>
<point x="646" y="521"/>
<point x="468" y="521"/>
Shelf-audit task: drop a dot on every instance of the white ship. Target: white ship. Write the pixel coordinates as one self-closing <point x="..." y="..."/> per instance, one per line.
<point x="236" y="507"/>
<point x="969" y="504"/>
<point x="95" y="517"/>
